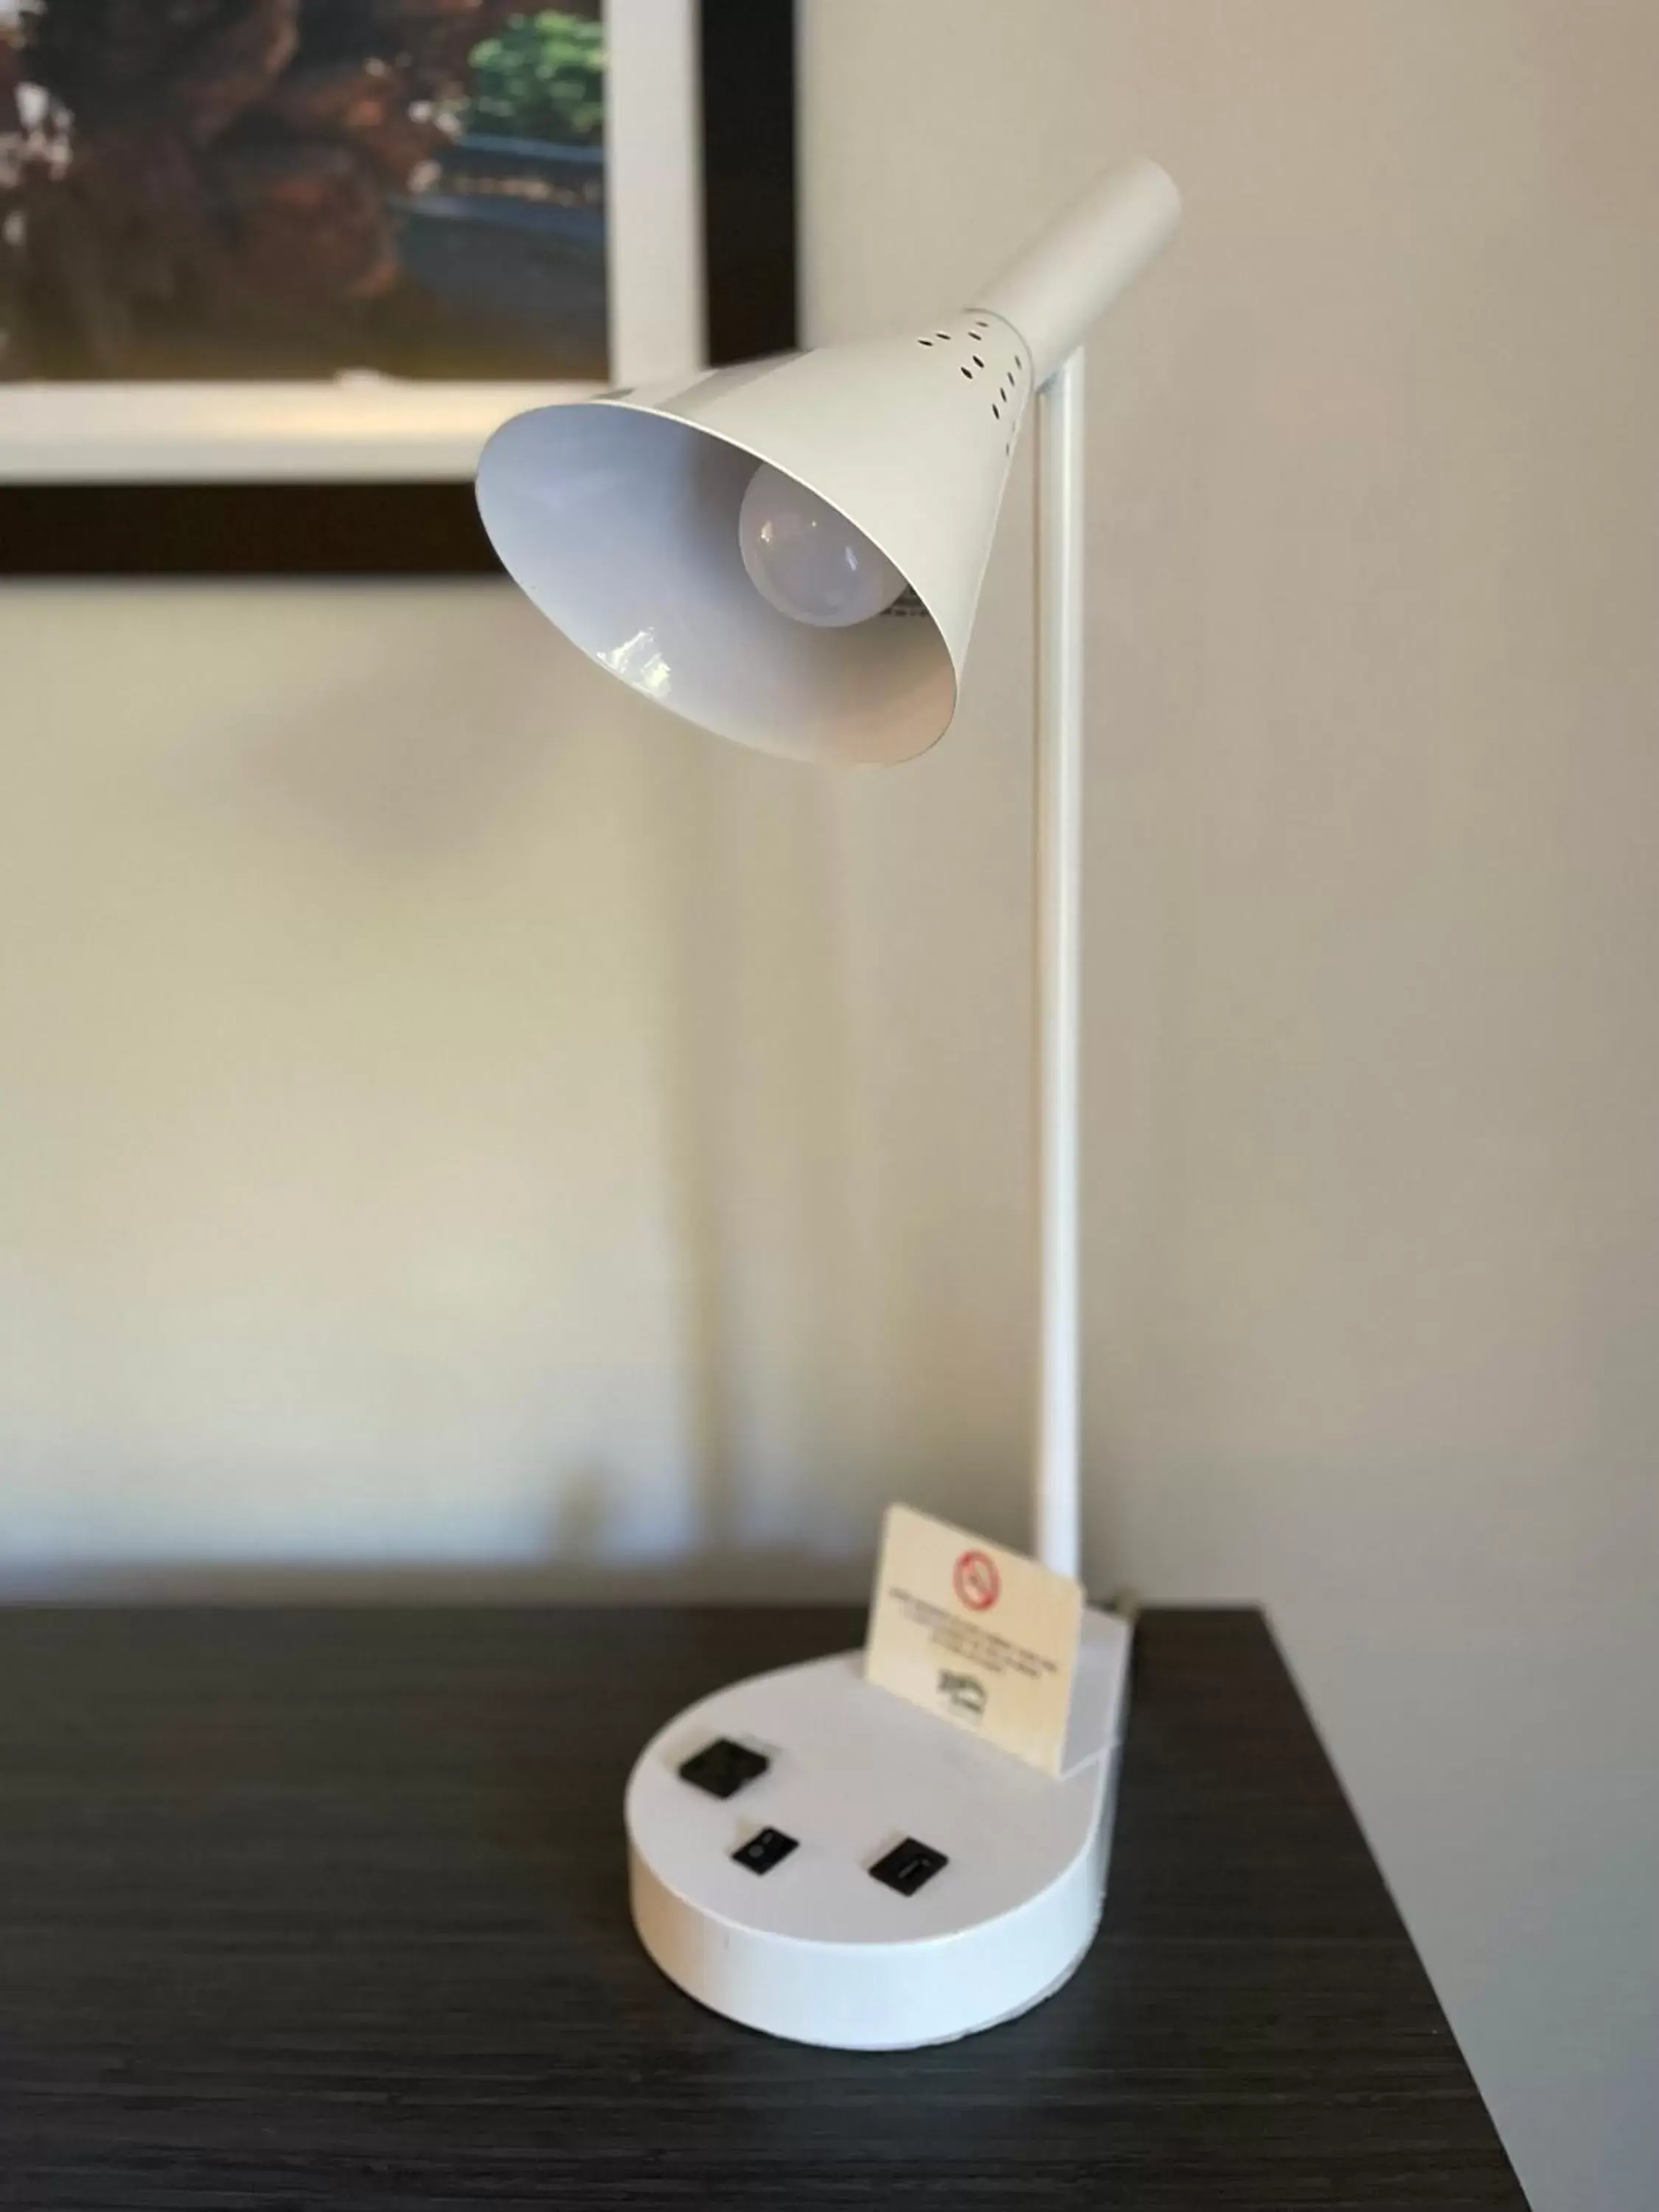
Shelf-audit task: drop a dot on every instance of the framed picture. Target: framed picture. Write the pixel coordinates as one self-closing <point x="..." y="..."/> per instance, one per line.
<point x="271" y="271"/>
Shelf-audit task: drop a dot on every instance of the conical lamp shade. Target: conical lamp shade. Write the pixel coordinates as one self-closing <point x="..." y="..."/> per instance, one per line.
<point x="618" y="517"/>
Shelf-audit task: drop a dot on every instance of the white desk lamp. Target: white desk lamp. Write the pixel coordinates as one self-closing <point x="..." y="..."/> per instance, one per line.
<point x="790" y="553"/>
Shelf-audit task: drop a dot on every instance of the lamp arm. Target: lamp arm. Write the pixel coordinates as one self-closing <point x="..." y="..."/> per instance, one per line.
<point x="1058" y="933"/>
<point x="1068" y="277"/>
<point x="1051" y="295"/>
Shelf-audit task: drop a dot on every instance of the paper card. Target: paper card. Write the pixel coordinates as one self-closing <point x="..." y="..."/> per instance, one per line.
<point x="978" y="1635"/>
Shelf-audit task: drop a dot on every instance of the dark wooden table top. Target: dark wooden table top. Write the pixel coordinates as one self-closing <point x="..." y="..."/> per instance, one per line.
<point x="327" y="1909"/>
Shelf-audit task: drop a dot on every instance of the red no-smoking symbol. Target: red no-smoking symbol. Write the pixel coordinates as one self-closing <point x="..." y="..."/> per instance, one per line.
<point x="977" y="1583"/>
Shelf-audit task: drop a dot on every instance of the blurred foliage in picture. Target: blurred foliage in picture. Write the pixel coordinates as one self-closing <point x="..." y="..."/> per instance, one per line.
<point x="540" y="76"/>
<point x="211" y="188"/>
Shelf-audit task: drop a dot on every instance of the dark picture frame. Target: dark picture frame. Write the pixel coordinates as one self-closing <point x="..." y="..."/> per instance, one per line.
<point x="391" y="528"/>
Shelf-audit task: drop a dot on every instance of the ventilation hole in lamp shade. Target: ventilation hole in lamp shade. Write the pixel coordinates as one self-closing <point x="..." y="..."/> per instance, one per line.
<point x="996" y="410"/>
<point x="968" y="372"/>
<point x="978" y="363"/>
<point x="945" y="335"/>
<point x="927" y="342"/>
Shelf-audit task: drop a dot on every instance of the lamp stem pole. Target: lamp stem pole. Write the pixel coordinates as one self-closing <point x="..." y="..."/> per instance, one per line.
<point x="1059" y="921"/>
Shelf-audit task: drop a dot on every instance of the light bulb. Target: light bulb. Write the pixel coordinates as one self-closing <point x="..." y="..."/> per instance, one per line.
<point x="806" y="560"/>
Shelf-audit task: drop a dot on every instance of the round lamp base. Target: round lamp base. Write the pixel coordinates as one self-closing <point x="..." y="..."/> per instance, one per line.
<point x="816" y="1858"/>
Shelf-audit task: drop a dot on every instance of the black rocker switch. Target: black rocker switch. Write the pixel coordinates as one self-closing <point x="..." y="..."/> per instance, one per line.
<point x="908" y="1865"/>
<point x="722" y="1768"/>
<point x="762" y="1852"/>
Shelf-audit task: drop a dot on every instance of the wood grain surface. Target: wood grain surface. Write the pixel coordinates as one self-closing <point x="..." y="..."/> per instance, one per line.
<point x="327" y="1909"/>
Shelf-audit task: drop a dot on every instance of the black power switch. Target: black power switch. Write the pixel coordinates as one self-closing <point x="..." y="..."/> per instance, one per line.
<point x="762" y="1852"/>
<point x="908" y="1865"/>
<point x="722" y="1768"/>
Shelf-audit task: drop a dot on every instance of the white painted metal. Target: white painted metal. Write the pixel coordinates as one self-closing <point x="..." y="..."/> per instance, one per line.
<point x="820" y="1951"/>
<point x="1065" y="280"/>
<point x="619" y="517"/>
<point x="1059" y="935"/>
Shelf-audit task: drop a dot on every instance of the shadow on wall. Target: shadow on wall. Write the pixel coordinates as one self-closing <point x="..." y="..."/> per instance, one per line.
<point x="389" y="759"/>
<point x="757" y="1070"/>
<point x="425" y="1118"/>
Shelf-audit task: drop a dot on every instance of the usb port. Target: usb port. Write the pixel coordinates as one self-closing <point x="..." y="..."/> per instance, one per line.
<point x="762" y="1852"/>
<point x="908" y="1865"/>
<point x="722" y="1768"/>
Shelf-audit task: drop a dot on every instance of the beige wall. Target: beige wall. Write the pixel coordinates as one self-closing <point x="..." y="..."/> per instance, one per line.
<point x="448" y="1117"/>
